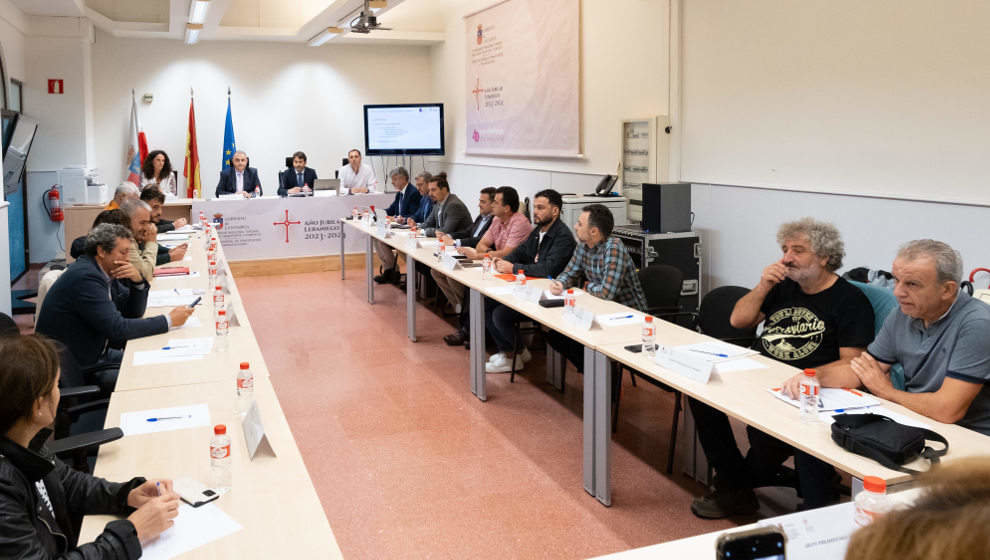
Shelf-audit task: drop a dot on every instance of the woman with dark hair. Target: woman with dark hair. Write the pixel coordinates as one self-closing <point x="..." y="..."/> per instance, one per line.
<point x="40" y="497"/>
<point x="157" y="171"/>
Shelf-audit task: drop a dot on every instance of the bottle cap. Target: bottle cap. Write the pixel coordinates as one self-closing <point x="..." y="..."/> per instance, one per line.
<point x="220" y="429"/>
<point x="874" y="484"/>
<point x="809" y="372"/>
<point x="213" y="263"/>
<point x="222" y="312"/>
<point x="570" y="291"/>
<point x="521" y="271"/>
<point x="245" y="365"/>
<point x="649" y="318"/>
<point x="219" y="287"/>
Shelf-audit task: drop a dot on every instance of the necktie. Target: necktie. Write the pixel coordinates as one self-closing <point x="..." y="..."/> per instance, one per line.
<point x="299" y="180"/>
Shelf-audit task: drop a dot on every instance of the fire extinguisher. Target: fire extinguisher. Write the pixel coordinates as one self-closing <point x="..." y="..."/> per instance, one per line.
<point x="54" y="204"/>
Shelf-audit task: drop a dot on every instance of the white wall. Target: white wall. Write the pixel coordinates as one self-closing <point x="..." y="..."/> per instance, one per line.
<point x="285" y="97"/>
<point x="624" y="74"/>
<point x="739" y="227"/>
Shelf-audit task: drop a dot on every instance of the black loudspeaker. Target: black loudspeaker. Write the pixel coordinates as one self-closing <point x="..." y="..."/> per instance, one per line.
<point x="666" y="207"/>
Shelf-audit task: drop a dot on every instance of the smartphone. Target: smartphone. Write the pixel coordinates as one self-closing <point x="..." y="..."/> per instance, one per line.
<point x="761" y="543"/>
<point x="635" y="348"/>
<point x="195" y="302"/>
<point x="193" y="492"/>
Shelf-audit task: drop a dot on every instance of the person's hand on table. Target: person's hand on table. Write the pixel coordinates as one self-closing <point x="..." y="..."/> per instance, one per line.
<point x="869" y="373"/>
<point x="154" y="516"/>
<point x="468" y="252"/>
<point x="181" y="222"/>
<point x="556" y="288"/>
<point x="294" y="190"/>
<point x="180" y="314"/>
<point x="307" y="189"/>
<point x="148" y="491"/>
<point x="124" y="269"/>
<point x="246" y="194"/>
<point x="178" y="253"/>
<point x="503" y="266"/>
<point x="792" y="387"/>
<point x="359" y="190"/>
<point x="410" y="221"/>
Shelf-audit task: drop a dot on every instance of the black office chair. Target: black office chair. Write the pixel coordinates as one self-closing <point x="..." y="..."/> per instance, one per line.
<point x="79" y="421"/>
<point x="714" y="313"/>
<point x="662" y="287"/>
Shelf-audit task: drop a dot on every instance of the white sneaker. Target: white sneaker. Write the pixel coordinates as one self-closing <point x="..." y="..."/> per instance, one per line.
<point x="525" y="355"/>
<point x="501" y="365"/>
<point x="496" y="357"/>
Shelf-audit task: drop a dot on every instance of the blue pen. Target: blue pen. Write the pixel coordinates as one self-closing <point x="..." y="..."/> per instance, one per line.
<point x="710" y="353"/>
<point x="623" y="317"/>
<point x="165" y="418"/>
<point x="166" y="347"/>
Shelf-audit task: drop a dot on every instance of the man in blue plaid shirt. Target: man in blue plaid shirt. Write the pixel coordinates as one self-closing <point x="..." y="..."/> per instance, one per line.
<point x="600" y="266"/>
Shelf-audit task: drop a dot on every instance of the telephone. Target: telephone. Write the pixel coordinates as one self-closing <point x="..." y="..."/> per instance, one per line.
<point x="605" y="185"/>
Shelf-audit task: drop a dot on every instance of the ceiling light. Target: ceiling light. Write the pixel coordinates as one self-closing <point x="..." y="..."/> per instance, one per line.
<point x="377" y="5"/>
<point x="324" y="36"/>
<point x="192" y="32"/>
<point x="197" y="11"/>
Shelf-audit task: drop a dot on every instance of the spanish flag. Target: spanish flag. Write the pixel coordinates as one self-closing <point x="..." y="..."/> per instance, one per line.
<point x="191" y="168"/>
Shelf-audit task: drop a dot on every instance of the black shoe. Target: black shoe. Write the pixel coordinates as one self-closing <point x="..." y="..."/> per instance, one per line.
<point x="386" y="276"/>
<point x="456" y="339"/>
<point x="396" y="277"/>
<point x="719" y="504"/>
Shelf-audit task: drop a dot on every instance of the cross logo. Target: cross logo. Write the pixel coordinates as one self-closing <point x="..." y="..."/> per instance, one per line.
<point x="286" y="223"/>
<point x="477" y="90"/>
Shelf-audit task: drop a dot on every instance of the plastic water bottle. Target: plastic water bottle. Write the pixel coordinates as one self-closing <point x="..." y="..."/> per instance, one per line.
<point x="354" y="213"/>
<point x="649" y="336"/>
<point x="521" y="277"/>
<point x="570" y="301"/>
<point x="218" y="301"/>
<point x="212" y="271"/>
<point x="202" y="219"/>
<point x="872" y="502"/>
<point x="486" y="267"/>
<point x="223" y="328"/>
<point x="220" y="459"/>
<point x="245" y="388"/>
<point x="809" y="396"/>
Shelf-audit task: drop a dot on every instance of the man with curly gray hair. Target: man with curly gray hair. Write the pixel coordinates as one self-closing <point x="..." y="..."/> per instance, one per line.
<point x="811" y="318"/>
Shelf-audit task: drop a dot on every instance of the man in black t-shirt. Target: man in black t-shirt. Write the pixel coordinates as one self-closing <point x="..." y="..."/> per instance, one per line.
<point x="812" y="319"/>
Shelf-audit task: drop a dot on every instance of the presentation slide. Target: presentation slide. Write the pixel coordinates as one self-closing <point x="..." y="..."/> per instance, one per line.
<point x="404" y="129"/>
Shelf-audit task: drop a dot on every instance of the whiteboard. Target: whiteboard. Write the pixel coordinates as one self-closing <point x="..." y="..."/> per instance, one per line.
<point x="887" y="98"/>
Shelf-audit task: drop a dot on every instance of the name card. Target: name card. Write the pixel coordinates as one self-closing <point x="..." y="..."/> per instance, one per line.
<point x="412" y="243"/>
<point x="529" y="293"/>
<point x="580" y="318"/>
<point x="447" y="262"/>
<point x="254" y="432"/>
<point x="692" y="367"/>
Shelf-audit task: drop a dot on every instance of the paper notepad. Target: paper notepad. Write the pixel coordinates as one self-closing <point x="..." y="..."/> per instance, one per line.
<point x="833" y="399"/>
<point x="194" y="527"/>
<point x="164" y="419"/>
<point x="617" y="319"/>
<point x="717" y="351"/>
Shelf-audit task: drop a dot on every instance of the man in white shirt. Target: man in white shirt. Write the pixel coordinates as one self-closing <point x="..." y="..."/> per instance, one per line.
<point x="357" y="177"/>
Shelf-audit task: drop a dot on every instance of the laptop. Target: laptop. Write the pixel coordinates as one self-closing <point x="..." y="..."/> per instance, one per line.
<point x="327" y="185"/>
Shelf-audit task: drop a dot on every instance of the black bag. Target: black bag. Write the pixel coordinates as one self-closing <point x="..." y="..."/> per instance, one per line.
<point x="885" y="441"/>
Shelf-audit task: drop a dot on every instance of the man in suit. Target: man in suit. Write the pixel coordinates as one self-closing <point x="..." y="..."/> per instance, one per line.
<point x="451" y="288"/>
<point x="425" y="200"/>
<point x="299" y="179"/>
<point x="81" y="311"/>
<point x="156" y="199"/>
<point x="406" y="204"/>
<point x="239" y="178"/>
<point x="450" y="215"/>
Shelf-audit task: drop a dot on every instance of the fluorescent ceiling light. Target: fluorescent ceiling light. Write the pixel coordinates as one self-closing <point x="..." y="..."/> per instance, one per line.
<point x="324" y="36"/>
<point x="197" y="11"/>
<point x="192" y="32"/>
<point x="377" y="5"/>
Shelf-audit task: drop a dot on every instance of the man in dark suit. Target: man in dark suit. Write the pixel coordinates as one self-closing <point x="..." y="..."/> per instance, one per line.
<point x="481" y="224"/>
<point x="239" y="178"/>
<point x="298" y="179"/>
<point x="406" y="204"/>
<point x="82" y="312"/>
<point x="449" y="214"/>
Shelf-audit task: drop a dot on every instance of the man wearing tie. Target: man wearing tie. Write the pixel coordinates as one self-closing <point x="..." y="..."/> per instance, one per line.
<point x="299" y="179"/>
<point x="239" y="178"/>
<point x="406" y="204"/>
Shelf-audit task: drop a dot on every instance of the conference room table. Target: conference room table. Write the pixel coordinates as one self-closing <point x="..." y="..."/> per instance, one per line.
<point x="272" y="496"/>
<point x="742" y="395"/>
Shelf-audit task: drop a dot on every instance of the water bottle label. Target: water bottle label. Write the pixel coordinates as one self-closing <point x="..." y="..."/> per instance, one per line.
<point x="648" y="331"/>
<point x="809" y="389"/>
<point x="245" y="382"/>
<point x="864" y="517"/>
<point x="222" y="326"/>
<point x="220" y="451"/>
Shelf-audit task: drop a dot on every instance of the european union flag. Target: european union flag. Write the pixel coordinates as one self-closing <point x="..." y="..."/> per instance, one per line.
<point x="229" y="145"/>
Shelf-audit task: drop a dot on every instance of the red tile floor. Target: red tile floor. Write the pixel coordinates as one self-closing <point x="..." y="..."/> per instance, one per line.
<point x="408" y="463"/>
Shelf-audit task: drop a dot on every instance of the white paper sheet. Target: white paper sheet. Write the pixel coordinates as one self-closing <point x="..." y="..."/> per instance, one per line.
<point x="502" y="290"/>
<point x="739" y="364"/>
<point x="191" y="323"/>
<point x="617" y="319"/>
<point x="192" y="274"/>
<point x="174" y="297"/>
<point x="165" y="419"/>
<point x="834" y="399"/>
<point x="190" y="346"/>
<point x="717" y="351"/>
<point x="150" y="357"/>
<point x="194" y="527"/>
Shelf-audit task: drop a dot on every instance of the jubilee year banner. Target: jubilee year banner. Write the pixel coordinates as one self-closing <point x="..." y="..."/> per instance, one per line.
<point x="523" y="79"/>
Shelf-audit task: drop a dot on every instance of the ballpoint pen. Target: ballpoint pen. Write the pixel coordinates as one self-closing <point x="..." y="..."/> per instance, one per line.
<point x="709" y="353"/>
<point x="160" y="418"/>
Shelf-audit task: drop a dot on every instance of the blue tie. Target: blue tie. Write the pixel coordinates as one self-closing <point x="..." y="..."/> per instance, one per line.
<point x="299" y="181"/>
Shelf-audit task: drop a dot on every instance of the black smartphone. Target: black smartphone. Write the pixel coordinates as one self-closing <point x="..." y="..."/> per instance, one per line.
<point x="635" y="348"/>
<point x="761" y="543"/>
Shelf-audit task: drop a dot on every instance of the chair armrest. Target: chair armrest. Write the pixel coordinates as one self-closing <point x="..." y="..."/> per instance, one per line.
<point x="85" y="441"/>
<point x="79" y="391"/>
<point x="75" y="411"/>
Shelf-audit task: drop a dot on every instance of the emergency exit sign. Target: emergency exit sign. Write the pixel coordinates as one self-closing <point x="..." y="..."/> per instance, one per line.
<point x="56" y="87"/>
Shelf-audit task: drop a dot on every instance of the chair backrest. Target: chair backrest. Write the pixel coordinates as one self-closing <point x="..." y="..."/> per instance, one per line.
<point x="525" y="209"/>
<point x="884" y="303"/>
<point x="715" y="311"/>
<point x="662" y="287"/>
<point x="44" y="285"/>
<point x="8" y="327"/>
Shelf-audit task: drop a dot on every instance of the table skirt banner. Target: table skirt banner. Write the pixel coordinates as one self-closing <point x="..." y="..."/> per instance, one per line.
<point x="279" y="228"/>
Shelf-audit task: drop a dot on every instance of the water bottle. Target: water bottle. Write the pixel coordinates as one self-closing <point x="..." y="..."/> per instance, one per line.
<point x="220" y="459"/>
<point x="212" y="271"/>
<point x="872" y="502"/>
<point x="218" y="301"/>
<point x="245" y="388"/>
<point x="570" y="301"/>
<point x="809" y="396"/>
<point x="211" y="255"/>
<point x="649" y="336"/>
<point x="521" y="277"/>
<point x="223" y="328"/>
<point x="486" y="267"/>
<point x="202" y="219"/>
